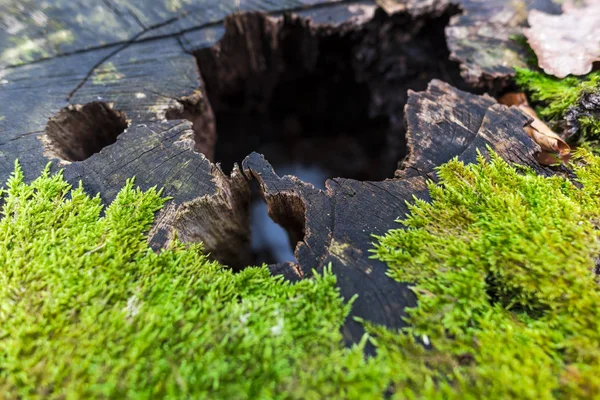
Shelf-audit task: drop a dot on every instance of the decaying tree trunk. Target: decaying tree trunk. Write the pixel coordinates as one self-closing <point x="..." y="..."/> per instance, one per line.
<point x="175" y="93"/>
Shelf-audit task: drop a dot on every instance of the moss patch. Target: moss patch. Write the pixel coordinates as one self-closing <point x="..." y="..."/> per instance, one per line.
<point x="502" y="261"/>
<point x="106" y="73"/>
<point x="87" y="310"/>
<point x="556" y="97"/>
<point x="503" y="265"/>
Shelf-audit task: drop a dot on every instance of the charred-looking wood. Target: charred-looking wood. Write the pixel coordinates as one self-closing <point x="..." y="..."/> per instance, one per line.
<point x="207" y="206"/>
<point x="329" y="96"/>
<point x="78" y="131"/>
<point x="220" y="222"/>
<point x="442" y="123"/>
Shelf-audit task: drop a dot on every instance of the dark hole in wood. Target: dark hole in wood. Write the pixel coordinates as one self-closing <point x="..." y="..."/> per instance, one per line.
<point x="323" y="97"/>
<point x="78" y="131"/>
<point x="276" y="230"/>
<point x="270" y="243"/>
<point x="506" y="299"/>
<point x="197" y="110"/>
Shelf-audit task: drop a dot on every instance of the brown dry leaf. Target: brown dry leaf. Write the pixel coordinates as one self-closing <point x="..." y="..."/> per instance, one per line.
<point x="548" y="158"/>
<point x="537" y="130"/>
<point x="543" y="135"/>
<point x="513" y="99"/>
<point x="568" y="43"/>
<point x="551" y="158"/>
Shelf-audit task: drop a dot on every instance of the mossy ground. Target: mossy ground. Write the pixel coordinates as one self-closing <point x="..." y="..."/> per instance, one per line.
<point x="502" y="261"/>
<point x="557" y="94"/>
<point x="555" y="98"/>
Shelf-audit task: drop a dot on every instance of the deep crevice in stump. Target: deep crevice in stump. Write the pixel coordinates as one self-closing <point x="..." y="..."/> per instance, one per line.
<point x="277" y="226"/>
<point x="78" y="131"/>
<point x="351" y="74"/>
<point x="325" y="96"/>
<point x="322" y="98"/>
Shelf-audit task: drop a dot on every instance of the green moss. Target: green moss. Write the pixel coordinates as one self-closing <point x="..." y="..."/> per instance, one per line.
<point x="87" y="310"/>
<point x="24" y="50"/>
<point x="590" y="127"/>
<point x="502" y="263"/>
<point x="556" y="96"/>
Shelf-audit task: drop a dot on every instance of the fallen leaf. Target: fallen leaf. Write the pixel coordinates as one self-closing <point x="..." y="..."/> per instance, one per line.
<point x="513" y="99"/>
<point x="541" y="133"/>
<point x="548" y="158"/>
<point x="568" y="43"/>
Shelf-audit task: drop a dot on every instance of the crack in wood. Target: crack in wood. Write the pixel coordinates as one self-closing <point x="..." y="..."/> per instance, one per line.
<point x="146" y="29"/>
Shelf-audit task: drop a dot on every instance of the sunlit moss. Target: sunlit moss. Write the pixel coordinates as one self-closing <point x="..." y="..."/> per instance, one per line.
<point x="502" y="262"/>
<point x="87" y="310"/>
<point x="106" y="73"/>
<point x="503" y="266"/>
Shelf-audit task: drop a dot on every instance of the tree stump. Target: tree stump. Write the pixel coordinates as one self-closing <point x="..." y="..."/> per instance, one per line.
<point x="212" y="99"/>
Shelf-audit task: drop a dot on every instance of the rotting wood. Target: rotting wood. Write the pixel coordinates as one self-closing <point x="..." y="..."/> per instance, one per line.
<point x="77" y="132"/>
<point x="139" y="64"/>
<point x="443" y="123"/>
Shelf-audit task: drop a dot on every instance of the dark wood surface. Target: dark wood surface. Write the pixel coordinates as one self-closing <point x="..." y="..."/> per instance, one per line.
<point x="139" y="61"/>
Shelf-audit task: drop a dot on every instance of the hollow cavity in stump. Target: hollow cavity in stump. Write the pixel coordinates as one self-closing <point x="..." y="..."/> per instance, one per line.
<point x="318" y="101"/>
<point x="78" y="131"/>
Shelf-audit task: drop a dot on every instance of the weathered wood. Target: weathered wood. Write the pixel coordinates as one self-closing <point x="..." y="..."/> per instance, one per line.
<point x="443" y="123"/>
<point x="35" y="30"/>
<point x="483" y="35"/>
<point x="140" y="62"/>
<point x="336" y="226"/>
<point x="291" y="61"/>
<point x="208" y="206"/>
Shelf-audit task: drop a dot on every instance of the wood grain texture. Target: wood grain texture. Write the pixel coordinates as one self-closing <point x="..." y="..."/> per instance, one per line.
<point x="444" y="122"/>
<point x="36" y="30"/>
<point x="336" y="226"/>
